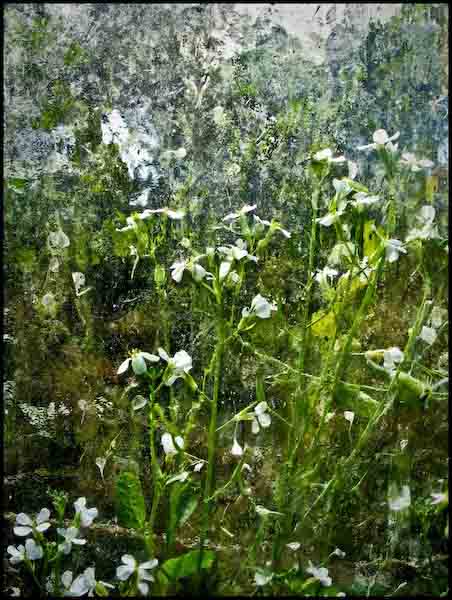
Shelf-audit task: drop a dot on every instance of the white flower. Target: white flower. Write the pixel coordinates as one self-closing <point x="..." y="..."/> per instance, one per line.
<point x="25" y="525"/>
<point x="427" y="230"/>
<point x="84" y="584"/>
<point x="179" y="365"/>
<point x="294" y="546"/>
<point x="265" y="512"/>
<point x="198" y="467"/>
<point x="70" y="536"/>
<point x="101" y="462"/>
<point x="58" y="240"/>
<point x="138" y="402"/>
<point x="338" y="552"/>
<point x="138" y="362"/>
<point x="320" y="573"/>
<point x="349" y="416"/>
<point x="399" y="500"/>
<point x="87" y="515"/>
<point x="130" y="566"/>
<point x="363" y="199"/>
<point x="391" y="356"/>
<point x="393" y="249"/>
<point x="131" y="224"/>
<point x="260" y="307"/>
<point x="198" y="272"/>
<point x="352" y="169"/>
<point x="326" y="273"/>
<point x="142" y="199"/>
<point x="439" y="497"/>
<point x="178" y="267"/>
<point x="243" y="211"/>
<point x="428" y="335"/>
<point x="31" y="551"/>
<point x="79" y="282"/>
<point x="382" y="140"/>
<point x="169" y="446"/>
<point x="179" y="477"/>
<point x="330" y="218"/>
<point x="236" y="449"/>
<point x="327" y="155"/>
<point x="409" y="160"/>
<point x="236" y="252"/>
<point x="174" y="215"/>
<point x="276" y="226"/>
<point x="262" y="578"/>
<point x="262" y="418"/>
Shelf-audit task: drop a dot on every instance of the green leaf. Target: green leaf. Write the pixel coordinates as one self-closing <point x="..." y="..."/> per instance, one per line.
<point x="182" y="505"/>
<point x="130" y="507"/>
<point x="186" y="565"/>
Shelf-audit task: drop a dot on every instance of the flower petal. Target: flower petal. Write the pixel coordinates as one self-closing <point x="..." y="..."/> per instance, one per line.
<point x="43" y="515"/>
<point x="23" y="519"/>
<point x="150" y="357"/>
<point x="22" y="531"/>
<point x="264" y="420"/>
<point x="123" y="366"/>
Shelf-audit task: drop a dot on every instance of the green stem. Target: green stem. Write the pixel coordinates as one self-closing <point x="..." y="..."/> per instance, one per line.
<point x="212" y="441"/>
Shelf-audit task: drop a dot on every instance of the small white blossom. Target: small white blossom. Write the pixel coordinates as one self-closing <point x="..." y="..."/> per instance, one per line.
<point x="243" y="211"/>
<point x="58" y="240"/>
<point x="393" y="249"/>
<point x="320" y="573"/>
<point x="131" y="224"/>
<point x="364" y="199"/>
<point x="327" y="155"/>
<point x="265" y="512"/>
<point x="137" y="359"/>
<point x="25" y="524"/>
<point x="179" y="477"/>
<point x="349" y="416"/>
<point x="427" y="230"/>
<point x="428" y="335"/>
<point x="174" y="215"/>
<point x="130" y="566"/>
<point x="352" y="169"/>
<point x="322" y="277"/>
<point x="399" y="500"/>
<point x="439" y="497"/>
<point x="260" y="307"/>
<point x="391" y="356"/>
<point x="100" y="463"/>
<point x="169" y="446"/>
<point x="409" y="160"/>
<point x="31" y="551"/>
<point x="262" y="417"/>
<point x="87" y="515"/>
<point x="382" y="140"/>
<point x="237" y="449"/>
<point x="338" y="552"/>
<point x="179" y="365"/>
<point x="294" y="546"/>
<point x="84" y="583"/>
<point x="177" y="269"/>
<point x="70" y="536"/>
<point x="276" y="226"/>
<point x="262" y="578"/>
<point x="330" y="218"/>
